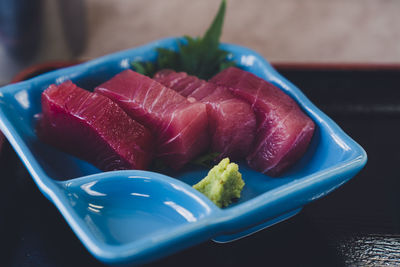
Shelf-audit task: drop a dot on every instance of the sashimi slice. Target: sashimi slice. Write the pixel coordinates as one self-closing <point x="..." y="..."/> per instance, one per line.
<point x="284" y="131"/>
<point x="180" y="125"/>
<point x="232" y="122"/>
<point x="93" y="128"/>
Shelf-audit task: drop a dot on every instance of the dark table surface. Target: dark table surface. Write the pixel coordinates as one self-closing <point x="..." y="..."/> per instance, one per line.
<point x="356" y="225"/>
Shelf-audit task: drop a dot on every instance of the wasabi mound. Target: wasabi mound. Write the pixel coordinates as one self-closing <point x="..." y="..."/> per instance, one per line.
<point x="222" y="184"/>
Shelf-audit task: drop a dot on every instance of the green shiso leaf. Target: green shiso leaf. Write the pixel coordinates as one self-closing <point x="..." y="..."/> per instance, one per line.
<point x="143" y="67"/>
<point x="196" y="56"/>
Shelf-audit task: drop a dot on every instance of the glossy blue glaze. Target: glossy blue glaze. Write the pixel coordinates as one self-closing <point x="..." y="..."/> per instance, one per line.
<point x="137" y="216"/>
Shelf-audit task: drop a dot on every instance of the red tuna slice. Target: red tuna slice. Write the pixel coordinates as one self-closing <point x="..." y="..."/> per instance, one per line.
<point x="181" y="126"/>
<point x="232" y="122"/>
<point x="284" y="131"/>
<point x="94" y="128"/>
<point x="180" y="82"/>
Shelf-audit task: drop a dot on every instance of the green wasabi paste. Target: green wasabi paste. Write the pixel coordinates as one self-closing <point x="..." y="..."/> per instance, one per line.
<point x="222" y="184"/>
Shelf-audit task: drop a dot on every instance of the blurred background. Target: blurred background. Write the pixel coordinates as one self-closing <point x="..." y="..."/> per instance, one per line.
<point x="35" y="31"/>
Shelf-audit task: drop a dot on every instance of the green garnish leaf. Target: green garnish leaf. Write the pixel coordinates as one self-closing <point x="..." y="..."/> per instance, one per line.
<point x="143" y="67"/>
<point x="196" y="56"/>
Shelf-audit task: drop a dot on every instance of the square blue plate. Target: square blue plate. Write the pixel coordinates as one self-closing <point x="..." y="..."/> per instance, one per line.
<point x="138" y="216"/>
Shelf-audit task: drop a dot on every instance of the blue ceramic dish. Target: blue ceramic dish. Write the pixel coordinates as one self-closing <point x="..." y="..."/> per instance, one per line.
<point x="138" y="216"/>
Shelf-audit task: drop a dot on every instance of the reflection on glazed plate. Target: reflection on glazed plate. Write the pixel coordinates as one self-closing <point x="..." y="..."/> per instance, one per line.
<point x="137" y="216"/>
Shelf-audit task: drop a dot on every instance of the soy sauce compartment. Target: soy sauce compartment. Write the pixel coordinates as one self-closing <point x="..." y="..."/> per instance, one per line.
<point x="127" y="206"/>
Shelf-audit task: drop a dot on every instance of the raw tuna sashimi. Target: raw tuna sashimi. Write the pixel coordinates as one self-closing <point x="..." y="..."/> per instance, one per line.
<point x="181" y="126"/>
<point x="284" y="131"/>
<point x="232" y="122"/>
<point x="94" y="128"/>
